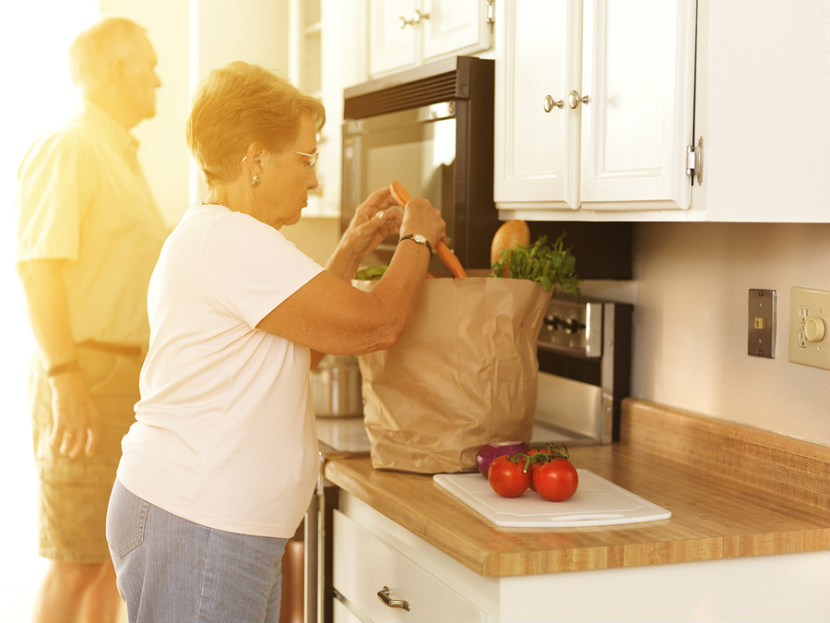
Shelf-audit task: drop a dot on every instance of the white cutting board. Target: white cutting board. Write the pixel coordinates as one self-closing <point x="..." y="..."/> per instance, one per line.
<point x="597" y="502"/>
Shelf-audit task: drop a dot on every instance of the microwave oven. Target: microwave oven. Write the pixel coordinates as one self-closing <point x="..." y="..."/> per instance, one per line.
<point x="431" y="128"/>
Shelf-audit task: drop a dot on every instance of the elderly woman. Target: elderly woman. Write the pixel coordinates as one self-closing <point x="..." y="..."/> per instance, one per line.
<point x="220" y="465"/>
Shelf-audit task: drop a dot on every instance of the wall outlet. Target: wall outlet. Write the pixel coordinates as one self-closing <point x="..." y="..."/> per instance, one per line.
<point x="760" y="341"/>
<point x="809" y="330"/>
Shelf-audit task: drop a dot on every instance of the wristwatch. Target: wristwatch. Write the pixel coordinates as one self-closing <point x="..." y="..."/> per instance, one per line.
<point x="420" y="239"/>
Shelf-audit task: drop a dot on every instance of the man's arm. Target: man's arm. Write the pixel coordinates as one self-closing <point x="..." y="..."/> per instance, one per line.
<point x="75" y="416"/>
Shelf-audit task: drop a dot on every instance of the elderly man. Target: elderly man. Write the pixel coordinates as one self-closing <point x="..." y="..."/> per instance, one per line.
<point x="89" y="234"/>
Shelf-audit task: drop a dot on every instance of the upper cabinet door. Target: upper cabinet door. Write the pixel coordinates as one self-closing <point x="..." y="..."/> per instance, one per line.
<point x="393" y="35"/>
<point x="594" y="107"/>
<point x="406" y="33"/>
<point x="638" y="90"/>
<point x="536" y="134"/>
<point x="763" y="110"/>
<point x="455" y="27"/>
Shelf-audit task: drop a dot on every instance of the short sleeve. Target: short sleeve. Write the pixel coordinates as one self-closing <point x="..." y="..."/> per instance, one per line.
<point x="250" y="268"/>
<point x="53" y="187"/>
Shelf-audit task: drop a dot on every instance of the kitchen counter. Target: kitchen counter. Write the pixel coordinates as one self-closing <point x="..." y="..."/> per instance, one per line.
<point x="733" y="491"/>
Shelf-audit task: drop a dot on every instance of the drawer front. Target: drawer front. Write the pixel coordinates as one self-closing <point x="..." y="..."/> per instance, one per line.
<point x="364" y="564"/>
<point x="341" y="614"/>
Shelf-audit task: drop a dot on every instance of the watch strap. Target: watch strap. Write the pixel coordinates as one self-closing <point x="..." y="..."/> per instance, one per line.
<point x="419" y="239"/>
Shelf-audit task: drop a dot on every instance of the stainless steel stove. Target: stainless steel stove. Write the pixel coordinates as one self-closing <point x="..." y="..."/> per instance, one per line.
<point x="584" y="370"/>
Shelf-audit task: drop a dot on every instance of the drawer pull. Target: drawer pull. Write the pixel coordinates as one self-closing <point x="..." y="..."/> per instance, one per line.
<point x="383" y="595"/>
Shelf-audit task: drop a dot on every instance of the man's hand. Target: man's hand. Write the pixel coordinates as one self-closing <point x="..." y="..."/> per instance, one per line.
<point x="76" y="419"/>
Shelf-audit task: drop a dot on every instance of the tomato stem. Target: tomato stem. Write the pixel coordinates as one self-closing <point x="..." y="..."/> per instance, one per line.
<point x="553" y="451"/>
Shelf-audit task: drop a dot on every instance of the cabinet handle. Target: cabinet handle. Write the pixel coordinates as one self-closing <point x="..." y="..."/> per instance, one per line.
<point x="551" y="103"/>
<point x="574" y="99"/>
<point x="383" y="595"/>
<point x="417" y="18"/>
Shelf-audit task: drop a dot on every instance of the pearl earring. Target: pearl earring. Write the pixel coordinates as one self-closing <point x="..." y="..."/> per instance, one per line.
<point x="255" y="180"/>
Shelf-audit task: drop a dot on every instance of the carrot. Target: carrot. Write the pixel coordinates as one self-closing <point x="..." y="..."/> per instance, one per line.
<point x="402" y="196"/>
<point x="450" y="260"/>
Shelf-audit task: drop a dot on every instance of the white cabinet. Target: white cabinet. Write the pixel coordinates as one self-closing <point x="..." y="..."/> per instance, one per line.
<point x="372" y="552"/>
<point x="405" y="33"/>
<point x="762" y="105"/>
<point x="761" y="96"/>
<point x="594" y="105"/>
<point x="375" y="581"/>
<point x="392" y="46"/>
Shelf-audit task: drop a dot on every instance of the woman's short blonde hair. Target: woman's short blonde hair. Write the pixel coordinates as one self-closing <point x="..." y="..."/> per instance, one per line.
<point x="237" y="105"/>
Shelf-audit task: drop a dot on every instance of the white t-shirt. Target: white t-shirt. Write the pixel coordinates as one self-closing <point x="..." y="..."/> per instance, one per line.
<point x="225" y="433"/>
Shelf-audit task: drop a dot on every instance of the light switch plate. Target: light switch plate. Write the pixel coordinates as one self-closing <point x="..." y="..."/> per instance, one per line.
<point x="761" y="323"/>
<point x="809" y="332"/>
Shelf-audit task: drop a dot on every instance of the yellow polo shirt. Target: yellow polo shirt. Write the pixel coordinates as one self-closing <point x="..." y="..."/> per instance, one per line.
<point x="83" y="197"/>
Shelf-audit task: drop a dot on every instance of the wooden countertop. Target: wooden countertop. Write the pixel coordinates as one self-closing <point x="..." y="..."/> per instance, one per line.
<point x="733" y="491"/>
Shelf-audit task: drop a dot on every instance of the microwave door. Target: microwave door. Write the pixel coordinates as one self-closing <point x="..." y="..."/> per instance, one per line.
<point x="416" y="147"/>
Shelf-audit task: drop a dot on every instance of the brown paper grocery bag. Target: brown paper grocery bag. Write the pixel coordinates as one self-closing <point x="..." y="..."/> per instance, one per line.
<point x="463" y="374"/>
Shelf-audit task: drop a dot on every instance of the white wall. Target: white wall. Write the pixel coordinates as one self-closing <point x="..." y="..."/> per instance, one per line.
<point x="162" y="151"/>
<point x="191" y="37"/>
<point x="690" y="323"/>
<point x="38" y="93"/>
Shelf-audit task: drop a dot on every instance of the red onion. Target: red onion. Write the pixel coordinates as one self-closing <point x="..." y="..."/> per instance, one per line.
<point x="489" y="452"/>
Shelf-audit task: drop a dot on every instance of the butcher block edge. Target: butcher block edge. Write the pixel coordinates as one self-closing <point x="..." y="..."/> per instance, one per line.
<point x="733" y="491"/>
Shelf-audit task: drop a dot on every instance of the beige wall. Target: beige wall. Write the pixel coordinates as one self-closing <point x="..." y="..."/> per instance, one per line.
<point x="191" y="37"/>
<point x="314" y="236"/>
<point x="690" y="333"/>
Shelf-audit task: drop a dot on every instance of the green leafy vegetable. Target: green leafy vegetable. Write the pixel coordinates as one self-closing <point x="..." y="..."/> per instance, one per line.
<point x="550" y="265"/>
<point x="372" y="273"/>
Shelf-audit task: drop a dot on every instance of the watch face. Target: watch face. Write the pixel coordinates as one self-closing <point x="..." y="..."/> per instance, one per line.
<point x="420" y="238"/>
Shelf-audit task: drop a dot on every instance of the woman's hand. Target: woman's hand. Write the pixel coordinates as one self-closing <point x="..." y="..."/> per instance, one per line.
<point x="372" y="222"/>
<point x="420" y="217"/>
<point x="329" y="316"/>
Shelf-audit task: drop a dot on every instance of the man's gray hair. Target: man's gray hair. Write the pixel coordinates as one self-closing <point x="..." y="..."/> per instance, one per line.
<point x="94" y="50"/>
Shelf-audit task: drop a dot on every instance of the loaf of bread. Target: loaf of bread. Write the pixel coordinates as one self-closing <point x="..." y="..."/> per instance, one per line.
<point x="510" y="235"/>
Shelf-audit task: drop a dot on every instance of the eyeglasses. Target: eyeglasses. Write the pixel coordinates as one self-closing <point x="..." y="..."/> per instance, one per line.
<point x="312" y="158"/>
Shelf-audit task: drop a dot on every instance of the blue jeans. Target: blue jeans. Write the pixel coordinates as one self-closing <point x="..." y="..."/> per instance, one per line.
<point x="170" y="569"/>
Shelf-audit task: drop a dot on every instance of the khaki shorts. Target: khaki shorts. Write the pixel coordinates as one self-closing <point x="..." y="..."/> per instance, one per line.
<point x="73" y="494"/>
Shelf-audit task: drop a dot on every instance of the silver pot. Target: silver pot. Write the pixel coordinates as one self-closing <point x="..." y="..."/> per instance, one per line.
<point x="336" y="387"/>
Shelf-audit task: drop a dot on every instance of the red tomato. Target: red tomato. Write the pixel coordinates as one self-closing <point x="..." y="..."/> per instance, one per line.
<point x="508" y="478"/>
<point x="555" y="480"/>
<point x="535" y="466"/>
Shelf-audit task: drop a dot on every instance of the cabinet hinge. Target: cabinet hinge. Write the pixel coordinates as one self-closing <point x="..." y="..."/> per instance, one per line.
<point x="490" y="11"/>
<point x="694" y="161"/>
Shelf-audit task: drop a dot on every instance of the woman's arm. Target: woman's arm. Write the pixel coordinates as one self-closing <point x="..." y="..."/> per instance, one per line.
<point x="373" y="222"/>
<point x="330" y="316"/>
